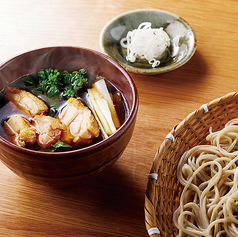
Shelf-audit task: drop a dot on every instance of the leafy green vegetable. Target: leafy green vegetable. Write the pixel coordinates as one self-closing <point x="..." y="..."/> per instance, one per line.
<point x="28" y="80"/>
<point x="69" y="91"/>
<point x="49" y="81"/>
<point x="53" y="84"/>
<point x="61" y="144"/>
<point x="74" y="81"/>
<point x="52" y="81"/>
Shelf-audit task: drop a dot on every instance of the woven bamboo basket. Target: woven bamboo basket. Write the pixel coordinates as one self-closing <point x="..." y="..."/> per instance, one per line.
<point x="163" y="189"/>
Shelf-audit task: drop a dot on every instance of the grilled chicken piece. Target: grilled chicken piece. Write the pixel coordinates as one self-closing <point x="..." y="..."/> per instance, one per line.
<point x="81" y="124"/>
<point x="26" y="101"/>
<point x="20" y="131"/>
<point x="48" y="130"/>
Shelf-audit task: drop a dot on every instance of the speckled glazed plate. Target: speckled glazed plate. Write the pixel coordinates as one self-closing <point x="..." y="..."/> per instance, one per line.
<point x="177" y="28"/>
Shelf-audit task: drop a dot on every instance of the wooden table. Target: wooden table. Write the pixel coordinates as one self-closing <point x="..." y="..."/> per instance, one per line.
<point x="113" y="203"/>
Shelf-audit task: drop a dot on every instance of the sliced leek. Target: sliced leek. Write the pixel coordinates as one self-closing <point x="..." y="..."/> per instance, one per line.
<point x="101" y="86"/>
<point x="95" y="115"/>
<point x="101" y="106"/>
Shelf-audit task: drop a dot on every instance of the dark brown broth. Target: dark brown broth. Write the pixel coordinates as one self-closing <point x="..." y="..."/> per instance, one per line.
<point x="8" y="109"/>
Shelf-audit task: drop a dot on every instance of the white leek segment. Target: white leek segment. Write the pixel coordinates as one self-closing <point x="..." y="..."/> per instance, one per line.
<point x="101" y="106"/>
<point x="146" y="43"/>
<point x="101" y="86"/>
<point x="89" y="98"/>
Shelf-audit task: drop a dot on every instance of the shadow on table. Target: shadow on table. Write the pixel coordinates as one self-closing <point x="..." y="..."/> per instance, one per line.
<point x="191" y="74"/>
<point x="112" y="196"/>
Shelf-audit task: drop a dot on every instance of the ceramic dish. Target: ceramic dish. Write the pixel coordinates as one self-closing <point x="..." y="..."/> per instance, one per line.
<point x="175" y="26"/>
<point x="69" y="168"/>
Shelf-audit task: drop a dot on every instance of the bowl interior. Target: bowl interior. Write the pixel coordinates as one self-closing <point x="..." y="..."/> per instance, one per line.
<point x="175" y="26"/>
<point x="70" y="167"/>
<point x="73" y="58"/>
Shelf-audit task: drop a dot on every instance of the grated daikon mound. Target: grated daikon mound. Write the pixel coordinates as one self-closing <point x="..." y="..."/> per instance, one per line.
<point x="146" y="43"/>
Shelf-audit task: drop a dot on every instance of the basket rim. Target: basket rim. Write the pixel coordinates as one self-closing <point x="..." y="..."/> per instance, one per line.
<point x="151" y="223"/>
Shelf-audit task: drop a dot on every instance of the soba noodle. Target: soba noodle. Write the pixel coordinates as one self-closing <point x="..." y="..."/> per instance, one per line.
<point x="209" y="174"/>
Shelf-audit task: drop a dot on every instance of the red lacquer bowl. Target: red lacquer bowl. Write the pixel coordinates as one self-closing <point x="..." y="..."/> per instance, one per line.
<point x="72" y="167"/>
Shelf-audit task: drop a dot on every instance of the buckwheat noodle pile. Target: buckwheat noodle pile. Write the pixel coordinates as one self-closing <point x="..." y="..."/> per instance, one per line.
<point x="209" y="174"/>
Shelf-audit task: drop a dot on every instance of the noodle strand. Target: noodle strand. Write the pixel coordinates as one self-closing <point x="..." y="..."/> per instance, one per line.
<point x="209" y="174"/>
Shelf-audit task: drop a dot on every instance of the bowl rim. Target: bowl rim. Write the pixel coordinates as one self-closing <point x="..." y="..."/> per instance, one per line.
<point x="97" y="146"/>
<point x="150" y="71"/>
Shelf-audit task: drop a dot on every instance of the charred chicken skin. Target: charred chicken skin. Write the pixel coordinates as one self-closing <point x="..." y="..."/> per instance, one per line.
<point x="81" y="125"/>
<point x="20" y="131"/>
<point x="48" y="130"/>
<point x="26" y="101"/>
<point x="75" y="124"/>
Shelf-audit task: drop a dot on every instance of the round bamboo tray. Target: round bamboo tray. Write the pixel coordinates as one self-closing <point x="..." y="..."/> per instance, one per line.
<point x="163" y="189"/>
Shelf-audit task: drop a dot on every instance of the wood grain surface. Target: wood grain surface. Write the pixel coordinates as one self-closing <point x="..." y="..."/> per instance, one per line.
<point x="113" y="203"/>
